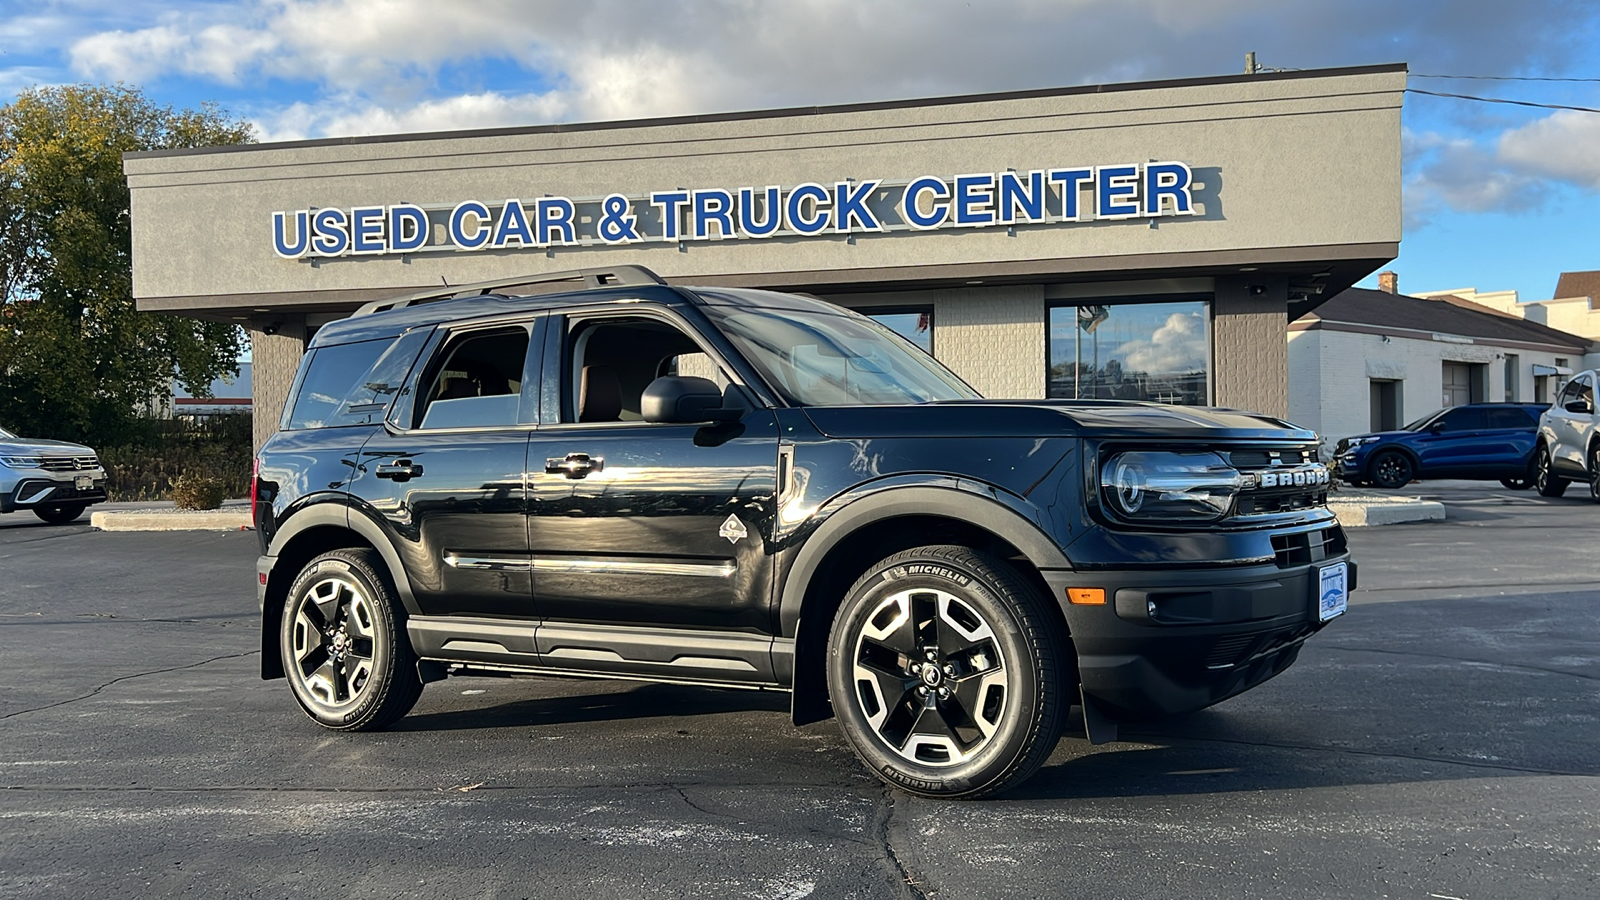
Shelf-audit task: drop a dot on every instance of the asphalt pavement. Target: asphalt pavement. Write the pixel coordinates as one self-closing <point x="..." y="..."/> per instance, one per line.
<point x="1438" y="741"/>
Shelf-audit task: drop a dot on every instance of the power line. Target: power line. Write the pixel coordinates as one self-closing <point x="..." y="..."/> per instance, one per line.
<point x="1587" y="109"/>
<point x="1508" y="78"/>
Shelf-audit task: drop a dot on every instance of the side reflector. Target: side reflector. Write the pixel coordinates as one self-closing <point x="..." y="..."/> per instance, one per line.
<point x="262" y="576"/>
<point x="1087" y="596"/>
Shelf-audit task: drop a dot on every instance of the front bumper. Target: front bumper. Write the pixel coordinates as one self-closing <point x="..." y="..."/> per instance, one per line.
<point x="1214" y="633"/>
<point x="35" y="489"/>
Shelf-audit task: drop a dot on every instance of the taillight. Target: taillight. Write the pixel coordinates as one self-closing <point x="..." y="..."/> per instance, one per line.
<point x="255" y="479"/>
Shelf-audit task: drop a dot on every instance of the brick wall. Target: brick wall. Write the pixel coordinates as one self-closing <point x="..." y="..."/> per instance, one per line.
<point x="275" y="358"/>
<point x="994" y="338"/>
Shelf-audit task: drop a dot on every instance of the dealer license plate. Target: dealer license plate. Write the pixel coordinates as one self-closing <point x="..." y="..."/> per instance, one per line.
<point x="84" y="482"/>
<point x="1333" y="590"/>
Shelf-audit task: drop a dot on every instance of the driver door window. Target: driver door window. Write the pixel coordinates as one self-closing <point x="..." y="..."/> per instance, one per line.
<point x="612" y="361"/>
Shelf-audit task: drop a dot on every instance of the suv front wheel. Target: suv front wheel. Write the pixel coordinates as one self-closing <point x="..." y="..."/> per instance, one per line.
<point x="1548" y="483"/>
<point x="945" y="670"/>
<point x="344" y="645"/>
<point x="61" y="513"/>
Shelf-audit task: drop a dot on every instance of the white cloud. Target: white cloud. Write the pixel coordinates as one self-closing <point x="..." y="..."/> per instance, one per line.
<point x="1177" y="347"/>
<point x="350" y="116"/>
<point x="1564" y="145"/>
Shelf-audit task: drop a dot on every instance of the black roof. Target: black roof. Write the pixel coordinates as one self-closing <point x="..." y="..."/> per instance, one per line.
<point x="1442" y="315"/>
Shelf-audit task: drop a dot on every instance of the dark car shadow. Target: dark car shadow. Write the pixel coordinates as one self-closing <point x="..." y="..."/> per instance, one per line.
<point x="631" y="701"/>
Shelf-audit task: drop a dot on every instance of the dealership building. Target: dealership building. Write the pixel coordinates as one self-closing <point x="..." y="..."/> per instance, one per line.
<point x="1142" y="241"/>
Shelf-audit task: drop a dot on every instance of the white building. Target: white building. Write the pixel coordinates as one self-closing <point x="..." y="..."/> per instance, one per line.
<point x="1572" y="310"/>
<point x="1373" y="360"/>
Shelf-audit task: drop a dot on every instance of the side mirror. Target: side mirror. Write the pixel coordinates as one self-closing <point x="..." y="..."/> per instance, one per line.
<point x="1436" y="428"/>
<point x="684" y="399"/>
<point x="1578" y="406"/>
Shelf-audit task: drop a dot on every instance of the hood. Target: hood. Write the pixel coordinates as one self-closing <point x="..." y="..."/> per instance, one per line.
<point x="1052" y="418"/>
<point x="41" y="447"/>
<point x="1386" y="435"/>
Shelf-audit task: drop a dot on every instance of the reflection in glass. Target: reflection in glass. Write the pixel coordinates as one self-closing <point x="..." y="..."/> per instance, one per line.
<point x="915" y="326"/>
<point x="1131" y="351"/>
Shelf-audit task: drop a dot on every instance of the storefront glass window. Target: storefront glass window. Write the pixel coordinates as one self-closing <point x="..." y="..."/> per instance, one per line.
<point x="915" y="325"/>
<point x="1131" y="351"/>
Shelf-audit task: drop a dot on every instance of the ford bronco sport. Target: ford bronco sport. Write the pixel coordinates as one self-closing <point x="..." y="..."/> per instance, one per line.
<point x="751" y="489"/>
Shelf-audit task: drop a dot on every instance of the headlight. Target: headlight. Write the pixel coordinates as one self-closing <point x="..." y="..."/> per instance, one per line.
<point x="1157" y="485"/>
<point x="21" y="462"/>
<point x="1359" y="441"/>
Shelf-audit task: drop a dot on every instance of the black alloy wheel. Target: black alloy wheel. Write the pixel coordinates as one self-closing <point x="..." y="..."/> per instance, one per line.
<point x="944" y="667"/>
<point x="60" y="513"/>
<point x="344" y="646"/>
<point x="1594" y="473"/>
<point x="1548" y="483"/>
<point x="1392" y="469"/>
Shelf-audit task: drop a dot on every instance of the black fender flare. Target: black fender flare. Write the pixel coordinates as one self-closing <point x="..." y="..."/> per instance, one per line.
<point x="341" y="515"/>
<point x="998" y="512"/>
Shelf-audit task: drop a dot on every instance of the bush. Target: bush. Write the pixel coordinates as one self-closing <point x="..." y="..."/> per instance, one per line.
<point x="147" y="464"/>
<point x="197" y="492"/>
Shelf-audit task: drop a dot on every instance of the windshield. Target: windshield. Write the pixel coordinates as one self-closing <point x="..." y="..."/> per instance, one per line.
<point x="819" y="356"/>
<point x="1423" y="422"/>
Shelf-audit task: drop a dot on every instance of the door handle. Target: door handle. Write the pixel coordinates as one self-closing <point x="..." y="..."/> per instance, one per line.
<point x="574" y="465"/>
<point x="399" y="470"/>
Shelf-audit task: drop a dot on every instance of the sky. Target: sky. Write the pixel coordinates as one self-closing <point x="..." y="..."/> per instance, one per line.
<point x="1496" y="196"/>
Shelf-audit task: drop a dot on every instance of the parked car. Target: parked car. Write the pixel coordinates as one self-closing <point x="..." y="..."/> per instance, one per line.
<point x="54" y="479"/>
<point x="750" y="489"/>
<point x="1569" y="442"/>
<point x="1484" y="441"/>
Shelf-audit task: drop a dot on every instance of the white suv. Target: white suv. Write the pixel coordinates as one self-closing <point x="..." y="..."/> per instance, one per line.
<point x="1569" y="448"/>
<point x="56" y="480"/>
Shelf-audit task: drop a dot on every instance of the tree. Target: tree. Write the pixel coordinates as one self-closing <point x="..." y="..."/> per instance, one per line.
<point x="77" y="361"/>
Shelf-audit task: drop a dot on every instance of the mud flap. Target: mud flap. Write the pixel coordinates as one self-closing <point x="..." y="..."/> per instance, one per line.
<point x="1096" y="726"/>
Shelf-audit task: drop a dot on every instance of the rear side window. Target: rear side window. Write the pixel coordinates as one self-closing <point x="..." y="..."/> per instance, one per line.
<point x="477" y="382"/>
<point x="1511" y="417"/>
<point x="331" y="375"/>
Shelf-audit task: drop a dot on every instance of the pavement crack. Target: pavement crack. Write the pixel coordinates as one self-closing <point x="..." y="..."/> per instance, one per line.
<point x="122" y="678"/>
<point x="1462" y="659"/>
<point x="883" y="821"/>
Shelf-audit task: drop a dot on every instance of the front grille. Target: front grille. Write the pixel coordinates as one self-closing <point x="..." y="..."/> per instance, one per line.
<point x="1244" y="460"/>
<point x="1306" y="547"/>
<point x="1229" y="650"/>
<point x="68" y="463"/>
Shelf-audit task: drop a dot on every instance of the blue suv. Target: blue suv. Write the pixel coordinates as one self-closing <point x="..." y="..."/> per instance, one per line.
<point x="1478" y="441"/>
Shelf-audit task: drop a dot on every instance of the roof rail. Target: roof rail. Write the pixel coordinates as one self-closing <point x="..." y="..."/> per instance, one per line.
<point x="592" y="278"/>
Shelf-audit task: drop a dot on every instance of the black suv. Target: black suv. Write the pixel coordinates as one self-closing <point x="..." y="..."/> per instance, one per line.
<point x="751" y="489"/>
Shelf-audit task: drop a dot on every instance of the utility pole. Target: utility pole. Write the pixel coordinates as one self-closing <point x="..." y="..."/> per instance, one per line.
<point x="1250" y="67"/>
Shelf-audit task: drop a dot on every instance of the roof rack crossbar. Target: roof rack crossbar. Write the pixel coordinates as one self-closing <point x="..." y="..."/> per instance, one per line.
<point x="592" y="278"/>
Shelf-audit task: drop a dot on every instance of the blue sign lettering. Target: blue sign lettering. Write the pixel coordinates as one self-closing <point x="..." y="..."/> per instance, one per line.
<point x="1037" y="197"/>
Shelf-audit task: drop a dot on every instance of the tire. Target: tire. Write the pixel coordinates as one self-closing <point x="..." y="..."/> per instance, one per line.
<point x="343" y="644"/>
<point x="1548" y="483"/>
<point x="1594" y="473"/>
<point x="1517" y="484"/>
<point x="1391" y="470"/>
<point x="61" y="513"/>
<point x="944" y="667"/>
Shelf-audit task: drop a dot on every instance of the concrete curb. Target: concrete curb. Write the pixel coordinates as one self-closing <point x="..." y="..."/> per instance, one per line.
<point x="1356" y="512"/>
<point x="170" y="519"/>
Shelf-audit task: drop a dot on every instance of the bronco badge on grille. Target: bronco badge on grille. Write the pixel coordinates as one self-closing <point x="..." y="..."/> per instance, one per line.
<point x="1301" y="476"/>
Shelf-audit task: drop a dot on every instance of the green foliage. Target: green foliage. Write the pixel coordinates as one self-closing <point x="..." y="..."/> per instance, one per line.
<point x="156" y="453"/>
<point x="77" y="361"/>
<point x="197" y="492"/>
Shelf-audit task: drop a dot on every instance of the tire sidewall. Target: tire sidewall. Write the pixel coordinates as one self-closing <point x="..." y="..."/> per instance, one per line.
<point x="383" y="643"/>
<point x="1022" y="685"/>
<point x="1377" y="463"/>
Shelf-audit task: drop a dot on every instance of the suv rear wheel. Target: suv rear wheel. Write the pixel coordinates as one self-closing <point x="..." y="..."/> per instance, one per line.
<point x="61" y="513"/>
<point x="944" y="668"/>
<point x="1549" y="483"/>
<point x="344" y="646"/>
<point x="1594" y="473"/>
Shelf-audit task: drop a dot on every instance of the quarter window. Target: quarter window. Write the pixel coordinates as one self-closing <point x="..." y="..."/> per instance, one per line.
<point x="330" y="375"/>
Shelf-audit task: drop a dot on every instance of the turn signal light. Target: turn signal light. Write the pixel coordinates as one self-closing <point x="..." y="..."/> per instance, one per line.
<point x="1087" y="596"/>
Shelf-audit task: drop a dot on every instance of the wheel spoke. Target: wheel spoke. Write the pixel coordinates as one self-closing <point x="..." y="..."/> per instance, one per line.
<point x="960" y="629"/>
<point x="892" y="626"/>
